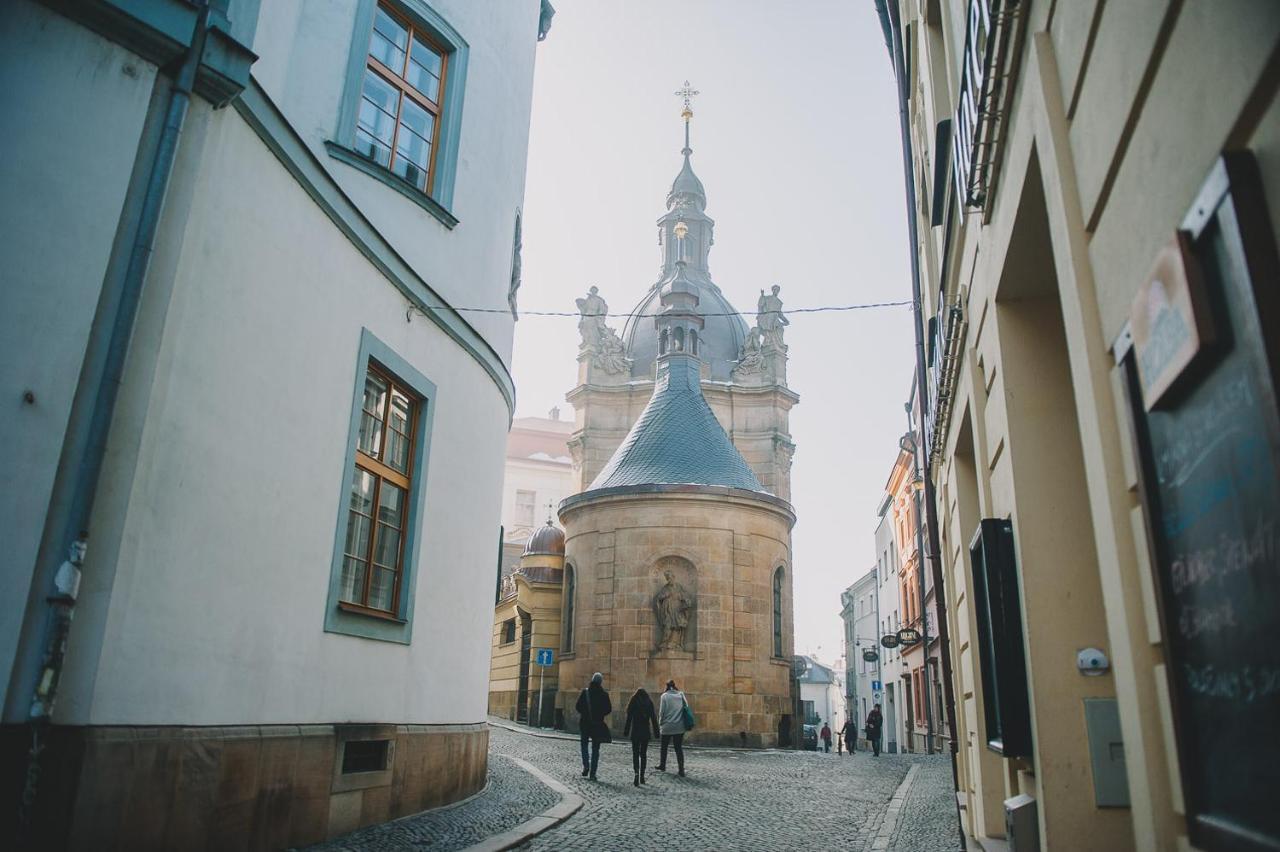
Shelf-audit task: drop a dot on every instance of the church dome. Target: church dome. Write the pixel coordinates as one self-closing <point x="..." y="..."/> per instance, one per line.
<point x="677" y="440"/>
<point x="720" y="342"/>
<point x="547" y="540"/>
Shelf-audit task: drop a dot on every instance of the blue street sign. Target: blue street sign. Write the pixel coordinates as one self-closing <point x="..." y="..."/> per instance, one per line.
<point x="875" y="686"/>
<point x="545" y="656"/>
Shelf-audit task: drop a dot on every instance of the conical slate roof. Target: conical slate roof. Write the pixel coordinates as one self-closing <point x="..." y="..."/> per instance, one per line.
<point x="677" y="439"/>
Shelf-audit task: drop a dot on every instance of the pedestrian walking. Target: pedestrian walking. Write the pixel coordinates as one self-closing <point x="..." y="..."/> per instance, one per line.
<point x="874" y="721"/>
<point x="674" y="719"/>
<point x="641" y="720"/>
<point x="593" y="706"/>
<point x="826" y="738"/>
<point x="850" y="734"/>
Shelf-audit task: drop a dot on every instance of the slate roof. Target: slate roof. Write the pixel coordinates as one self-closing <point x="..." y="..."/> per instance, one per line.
<point x="677" y="439"/>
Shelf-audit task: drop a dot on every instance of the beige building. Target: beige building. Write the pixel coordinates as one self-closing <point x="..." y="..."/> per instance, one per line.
<point x="526" y="621"/>
<point x="679" y="545"/>
<point x="1089" y="186"/>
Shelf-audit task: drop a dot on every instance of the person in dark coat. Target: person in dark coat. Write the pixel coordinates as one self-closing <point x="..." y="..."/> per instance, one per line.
<point x="642" y="719"/>
<point x="593" y="706"/>
<point x="874" y="721"/>
<point x="850" y="734"/>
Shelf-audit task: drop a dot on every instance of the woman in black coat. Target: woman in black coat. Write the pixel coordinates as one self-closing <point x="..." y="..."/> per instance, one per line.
<point x="641" y="719"/>
<point x="593" y="706"/>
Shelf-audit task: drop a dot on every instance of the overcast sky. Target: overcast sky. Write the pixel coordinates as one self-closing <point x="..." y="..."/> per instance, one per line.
<point x="795" y="137"/>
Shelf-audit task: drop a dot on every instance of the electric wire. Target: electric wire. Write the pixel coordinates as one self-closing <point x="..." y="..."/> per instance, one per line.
<point x="785" y="312"/>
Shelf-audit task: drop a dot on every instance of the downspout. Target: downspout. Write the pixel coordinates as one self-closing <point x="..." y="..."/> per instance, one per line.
<point x="891" y="23"/>
<point x="43" y="641"/>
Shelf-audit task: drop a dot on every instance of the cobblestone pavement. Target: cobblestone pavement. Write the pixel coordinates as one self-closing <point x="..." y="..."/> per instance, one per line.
<point x="746" y="800"/>
<point x="511" y="797"/>
<point x="928" y="819"/>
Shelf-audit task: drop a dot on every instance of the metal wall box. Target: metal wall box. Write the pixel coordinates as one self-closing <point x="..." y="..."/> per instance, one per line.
<point x="1021" y="824"/>
<point x="1106" y="753"/>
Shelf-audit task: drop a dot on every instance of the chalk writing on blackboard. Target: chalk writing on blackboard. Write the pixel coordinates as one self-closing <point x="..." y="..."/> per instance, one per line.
<point x="1247" y="683"/>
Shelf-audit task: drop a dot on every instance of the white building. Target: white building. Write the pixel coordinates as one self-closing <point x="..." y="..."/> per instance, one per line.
<point x="258" y="656"/>
<point x="889" y="620"/>
<point x="863" y="676"/>
<point x="539" y="473"/>
<point x="821" y="694"/>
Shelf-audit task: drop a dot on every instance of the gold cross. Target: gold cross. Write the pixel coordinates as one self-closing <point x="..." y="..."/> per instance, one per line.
<point x="687" y="93"/>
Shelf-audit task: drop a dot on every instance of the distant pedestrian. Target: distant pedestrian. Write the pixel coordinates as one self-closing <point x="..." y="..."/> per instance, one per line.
<point x="826" y="737"/>
<point x="874" y="722"/>
<point x="641" y="720"/>
<point x="850" y="734"/>
<point x="672" y="723"/>
<point x="593" y="706"/>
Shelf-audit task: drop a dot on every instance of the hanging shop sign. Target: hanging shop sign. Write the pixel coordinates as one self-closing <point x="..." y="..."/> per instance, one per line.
<point x="890" y="640"/>
<point x="908" y="636"/>
<point x="870" y="655"/>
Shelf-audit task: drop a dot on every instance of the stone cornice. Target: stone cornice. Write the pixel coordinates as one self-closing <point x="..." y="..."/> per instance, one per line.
<point x="718" y="493"/>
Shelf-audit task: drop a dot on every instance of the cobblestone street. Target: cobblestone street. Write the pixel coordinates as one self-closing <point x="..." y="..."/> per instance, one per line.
<point x="729" y="800"/>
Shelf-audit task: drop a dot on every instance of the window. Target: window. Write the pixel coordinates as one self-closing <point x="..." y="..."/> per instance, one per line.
<point x="376" y="514"/>
<point x="777" y="613"/>
<point x="1001" y="656"/>
<point x="570" y="589"/>
<point x="508" y="632"/>
<point x="402" y="111"/>
<point x="372" y="577"/>
<point x="364" y="756"/>
<point x="525" y="501"/>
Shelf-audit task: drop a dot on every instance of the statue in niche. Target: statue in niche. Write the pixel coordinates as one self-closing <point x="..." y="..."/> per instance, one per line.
<point x="601" y="342"/>
<point x="672" y="606"/>
<point x="770" y="320"/>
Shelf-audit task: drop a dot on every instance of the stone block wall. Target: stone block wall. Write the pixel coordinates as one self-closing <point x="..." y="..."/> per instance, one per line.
<point x="241" y="787"/>
<point x="732" y="546"/>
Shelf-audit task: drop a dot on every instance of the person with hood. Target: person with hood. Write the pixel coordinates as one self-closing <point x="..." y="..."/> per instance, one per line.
<point x="593" y="706"/>
<point x="850" y="734"/>
<point x="641" y="719"/>
<point x="671" y="724"/>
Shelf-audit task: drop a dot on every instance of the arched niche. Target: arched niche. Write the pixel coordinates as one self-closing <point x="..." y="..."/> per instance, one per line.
<point x="674" y="606"/>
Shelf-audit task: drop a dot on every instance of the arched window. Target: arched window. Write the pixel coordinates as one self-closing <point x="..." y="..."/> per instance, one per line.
<point x="693" y="342"/>
<point x="570" y="589"/>
<point x="777" y="612"/>
<point x="662" y="343"/>
<point x="679" y="341"/>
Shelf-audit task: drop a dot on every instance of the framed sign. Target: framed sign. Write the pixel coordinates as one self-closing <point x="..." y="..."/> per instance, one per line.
<point x="1209" y="457"/>
<point x="870" y="655"/>
<point x="908" y="636"/>
<point x="890" y="640"/>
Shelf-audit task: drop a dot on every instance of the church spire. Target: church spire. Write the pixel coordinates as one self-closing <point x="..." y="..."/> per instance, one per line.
<point x="685" y="205"/>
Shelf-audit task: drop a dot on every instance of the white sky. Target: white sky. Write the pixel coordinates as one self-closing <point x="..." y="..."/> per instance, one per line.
<point x="795" y="137"/>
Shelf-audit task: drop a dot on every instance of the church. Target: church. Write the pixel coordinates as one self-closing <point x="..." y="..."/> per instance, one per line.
<point x="677" y="546"/>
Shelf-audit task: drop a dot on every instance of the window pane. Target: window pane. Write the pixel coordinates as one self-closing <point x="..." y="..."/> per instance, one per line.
<point x="379" y="96"/>
<point x="382" y="588"/>
<point x="398" y="451"/>
<point x="351" y="582"/>
<point x="373" y="408"/>
<point x="425" y="67"/>
<point x="387" y="553"/>
<point x="413" y="147"/>
<point x="372" y="148"/>
<point x="390" y="505"/>
<point x="362" y="492"/>
<point x="411" y="171"/>
<point x="389" y="41"/>
<point x="357" y="535"/>
<point x="400" y="407"/>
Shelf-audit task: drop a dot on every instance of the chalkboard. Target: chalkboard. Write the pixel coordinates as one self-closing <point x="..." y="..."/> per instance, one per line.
<point x="1210" y="477"/>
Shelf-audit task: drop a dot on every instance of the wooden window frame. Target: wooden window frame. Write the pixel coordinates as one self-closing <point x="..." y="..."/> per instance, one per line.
<point x="406" y="89"/>
<point x="383" y="472"/>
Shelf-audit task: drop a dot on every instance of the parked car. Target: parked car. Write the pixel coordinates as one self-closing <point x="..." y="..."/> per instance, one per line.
<point x="809" y="739"/>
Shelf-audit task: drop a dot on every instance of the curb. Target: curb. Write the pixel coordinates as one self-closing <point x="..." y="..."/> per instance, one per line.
<point x="570" y="803"/>
<point x="885" y="835"/>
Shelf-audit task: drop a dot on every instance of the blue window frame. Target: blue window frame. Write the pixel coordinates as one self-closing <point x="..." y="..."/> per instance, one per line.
<point x="375" y="555"/>
<point x="402" y="109"/>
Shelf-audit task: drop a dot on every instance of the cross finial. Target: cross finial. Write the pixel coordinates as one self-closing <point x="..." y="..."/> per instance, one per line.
<point x="551" y="509"/>
<point x="687" y="93"/>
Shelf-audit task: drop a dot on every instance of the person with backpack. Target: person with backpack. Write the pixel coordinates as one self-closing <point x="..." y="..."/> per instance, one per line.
<point x="674" y="719"/>
<point x="641" y="719"/>
<point x="593" y="706"/>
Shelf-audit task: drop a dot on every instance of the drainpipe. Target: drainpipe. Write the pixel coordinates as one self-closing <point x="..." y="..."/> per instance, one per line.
<point x="891" y="23"/>
<point x="43" y="648"/>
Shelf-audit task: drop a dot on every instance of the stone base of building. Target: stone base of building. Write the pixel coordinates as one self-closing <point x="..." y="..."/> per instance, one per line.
<point x="241" y="787"/>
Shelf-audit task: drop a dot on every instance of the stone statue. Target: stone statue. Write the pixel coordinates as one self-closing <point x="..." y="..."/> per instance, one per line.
<point x="592" y="309"/>
<point x="770" y="319"/>
<point x="601" y="342"/>
<point x="672" y="606"/>
<point x="751" y="358"/>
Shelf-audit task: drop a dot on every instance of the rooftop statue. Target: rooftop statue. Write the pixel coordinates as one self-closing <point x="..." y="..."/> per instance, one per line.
<point x="603" y="343"/>
<point x="770" y="319"/>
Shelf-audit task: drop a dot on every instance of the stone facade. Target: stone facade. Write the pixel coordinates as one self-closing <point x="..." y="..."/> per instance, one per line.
<point x="724" y="546"/>
<point x="238" y="787"/>
<point x="533" y="598"/>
